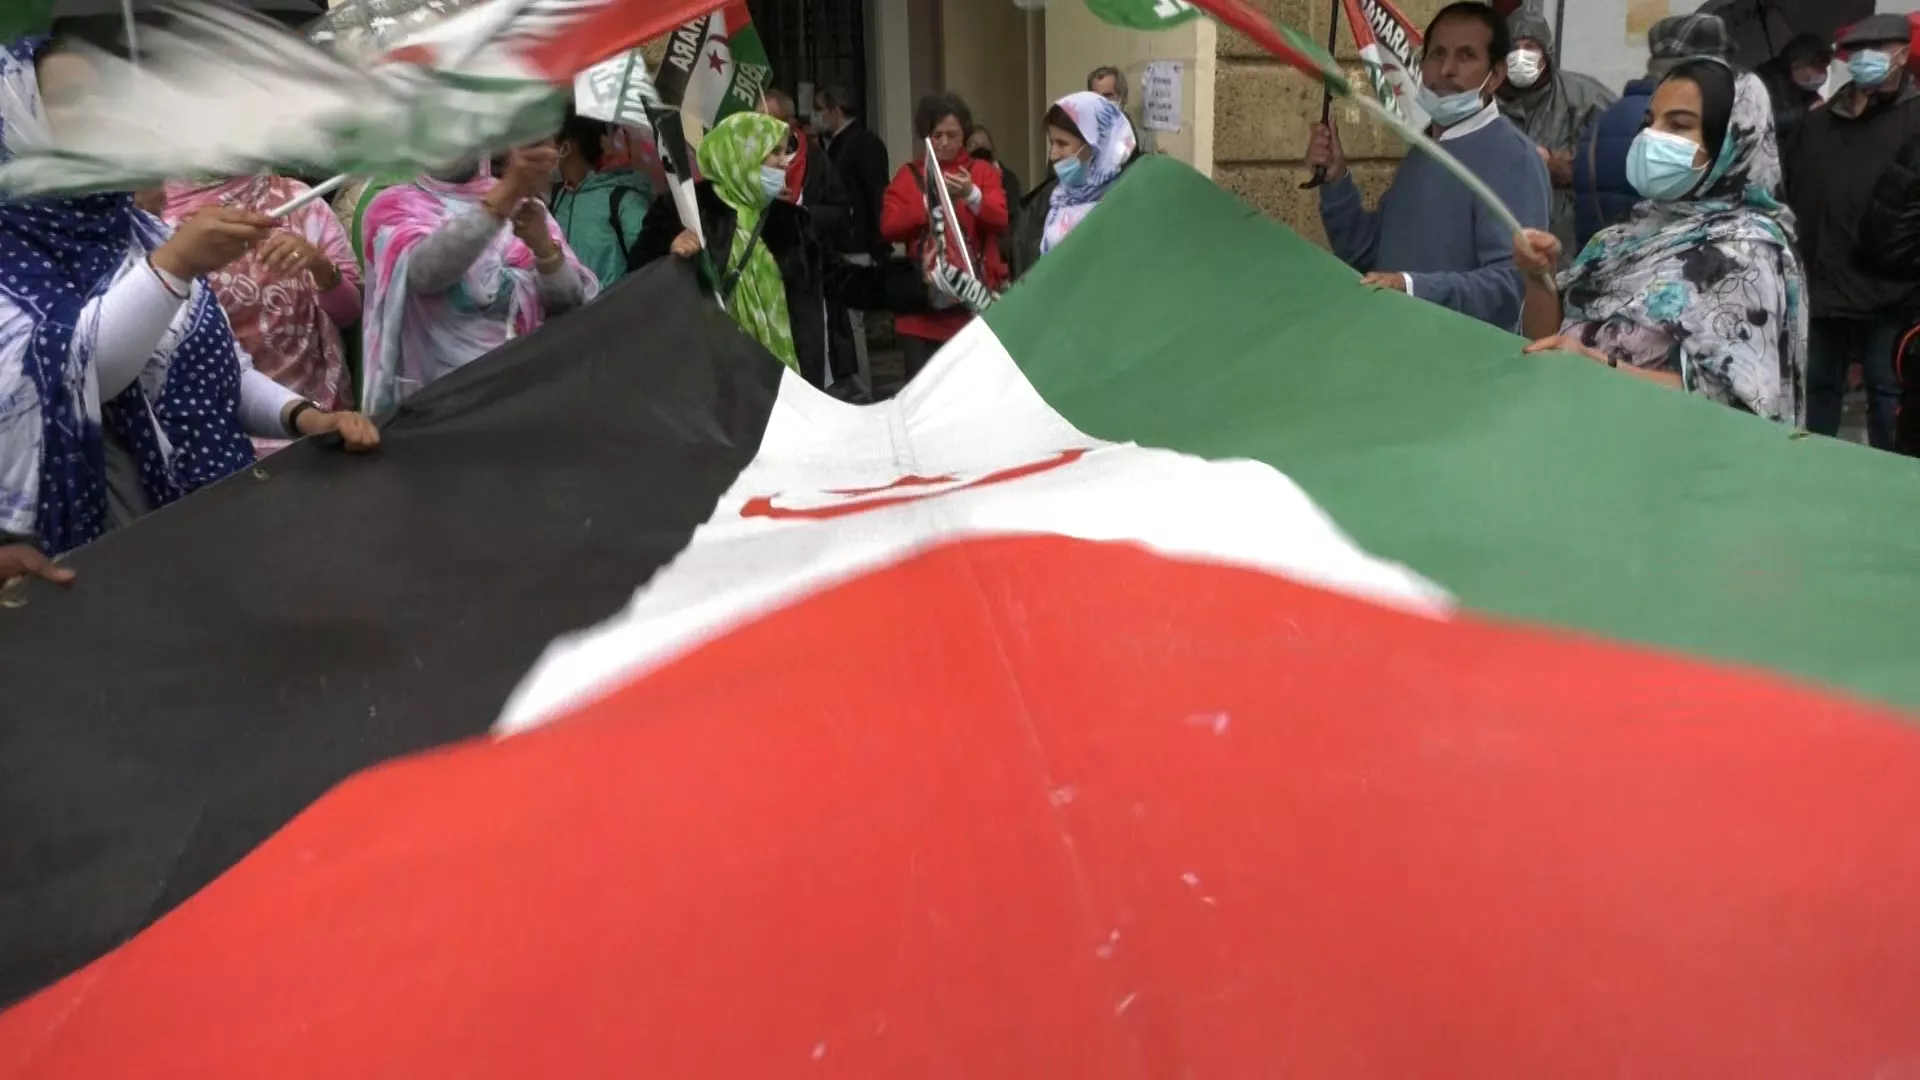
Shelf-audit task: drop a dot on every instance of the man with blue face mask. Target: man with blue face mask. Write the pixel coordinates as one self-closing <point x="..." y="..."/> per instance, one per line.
<point x="1430" y="238"/>
<point x="1859" y="315"/>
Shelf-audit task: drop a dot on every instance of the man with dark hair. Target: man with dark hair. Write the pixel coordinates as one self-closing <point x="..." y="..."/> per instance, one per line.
<point x="1601" y="194"/>
<point x="860" y="159"/>
<point x="600" y="203"/>
<point x="1840" y="154"/>
<point x="811" y="179"/>
<point x="1555" y="108"/>
<point x="1431" y="238"/>
<point x="814" y="185"/>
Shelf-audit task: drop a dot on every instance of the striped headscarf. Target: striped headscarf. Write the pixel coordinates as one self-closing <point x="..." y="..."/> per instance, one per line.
<point x="730" y="158"/>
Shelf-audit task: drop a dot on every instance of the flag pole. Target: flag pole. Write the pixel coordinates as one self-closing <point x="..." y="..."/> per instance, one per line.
<point x="317" y="191"/>
<point x="1326" y="93"/>
<point x="133" y="31"/>
<point x="1478" y="187"/>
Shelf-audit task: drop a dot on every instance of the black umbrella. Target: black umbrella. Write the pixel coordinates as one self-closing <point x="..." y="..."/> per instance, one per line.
<point x="1760" y="28"/>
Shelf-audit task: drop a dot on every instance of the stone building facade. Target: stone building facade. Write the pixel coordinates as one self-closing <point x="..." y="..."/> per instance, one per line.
<point x="1264" y="113"/>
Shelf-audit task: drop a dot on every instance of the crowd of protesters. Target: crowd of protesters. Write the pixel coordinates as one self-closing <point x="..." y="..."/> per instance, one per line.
<point x="155" y="342"/>
<point x="1752" y="236"/>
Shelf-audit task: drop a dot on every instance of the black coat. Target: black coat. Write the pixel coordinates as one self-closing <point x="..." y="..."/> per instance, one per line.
<point x="826" y="198"/>
<point x="789" y="235"/>
<point x="1031" y="226"/>
<point x="860" y="159"/>
<point x="1890" y="229"/>
<point x="1837" y="162"/>
<point x="1791" y="104"/>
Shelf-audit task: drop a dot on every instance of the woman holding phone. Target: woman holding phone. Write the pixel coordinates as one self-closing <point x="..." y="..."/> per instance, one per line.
<point x="980" y="217"/>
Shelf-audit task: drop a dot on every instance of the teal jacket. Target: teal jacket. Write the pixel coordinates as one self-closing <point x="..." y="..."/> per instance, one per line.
<point x="586" y="213"/>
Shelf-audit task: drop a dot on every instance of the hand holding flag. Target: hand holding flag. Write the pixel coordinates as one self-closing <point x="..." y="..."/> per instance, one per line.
<point x="1298" y="52"/>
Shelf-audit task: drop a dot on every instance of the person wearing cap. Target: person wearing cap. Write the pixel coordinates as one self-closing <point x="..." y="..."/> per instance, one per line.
<point x="1602" y="195"/>
<point x="1842" y="151"/>
<point x="1555" y="108"/>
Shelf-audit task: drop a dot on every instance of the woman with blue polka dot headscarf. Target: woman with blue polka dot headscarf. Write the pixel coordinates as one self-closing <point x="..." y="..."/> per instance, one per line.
<point x="121" y="386"/>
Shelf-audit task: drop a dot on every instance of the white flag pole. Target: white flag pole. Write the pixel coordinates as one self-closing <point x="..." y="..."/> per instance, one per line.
<point x="938" y="180"/>
<point x="318" y="191"/>
<point x="133" y="33"/>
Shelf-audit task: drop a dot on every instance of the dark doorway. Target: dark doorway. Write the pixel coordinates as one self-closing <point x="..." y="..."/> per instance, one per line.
<point x="816" y="42"/>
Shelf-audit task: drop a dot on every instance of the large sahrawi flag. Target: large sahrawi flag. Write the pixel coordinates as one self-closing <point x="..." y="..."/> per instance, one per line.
<point x="1535" y="721"/>
<point x="715" y="66"/>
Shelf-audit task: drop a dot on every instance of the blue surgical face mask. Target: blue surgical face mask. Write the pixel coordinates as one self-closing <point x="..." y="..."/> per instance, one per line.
<point x="1870" y="67"/>
<point x="1071" y="171"/>
<point x="1447" y="110"/>
<point x="773" y="181"/>
<point x="1660" y="166"/>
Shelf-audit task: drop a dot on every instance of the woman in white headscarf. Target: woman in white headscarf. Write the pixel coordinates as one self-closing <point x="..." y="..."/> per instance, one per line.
<point x="1090" y="143"/>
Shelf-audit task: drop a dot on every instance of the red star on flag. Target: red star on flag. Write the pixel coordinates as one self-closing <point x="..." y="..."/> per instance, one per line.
<point x="715" y="61"/>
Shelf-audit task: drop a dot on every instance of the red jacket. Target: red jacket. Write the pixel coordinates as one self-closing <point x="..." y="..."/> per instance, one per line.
<point x="903" y="220"/>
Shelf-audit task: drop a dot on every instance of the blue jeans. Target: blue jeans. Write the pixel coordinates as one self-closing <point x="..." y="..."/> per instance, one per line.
<point x="1834" y="345"/>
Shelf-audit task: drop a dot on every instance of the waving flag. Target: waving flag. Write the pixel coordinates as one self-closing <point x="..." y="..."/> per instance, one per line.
<point x="715" y="66"/>
<point x="1389" y="45"/>
<point x="18" y="18"/>
<point x="1031" y="724"/>
<point x="617" y="90"/>
<point x="221" y="92"/>
<point x="1144" y="14"/>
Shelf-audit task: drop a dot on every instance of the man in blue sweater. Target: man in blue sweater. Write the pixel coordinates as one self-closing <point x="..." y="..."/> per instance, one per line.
<point x="1431" y="238"/>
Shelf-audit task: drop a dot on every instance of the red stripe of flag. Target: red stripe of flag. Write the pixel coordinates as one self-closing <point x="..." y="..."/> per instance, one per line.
<point x="1284" y="42"/>
<point x="1068" y="809"/>
<point x="617" y="25"/>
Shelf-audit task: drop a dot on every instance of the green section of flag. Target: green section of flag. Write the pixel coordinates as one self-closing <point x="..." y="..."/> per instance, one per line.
<point x="19" y="18"/>
<point x="1143" y="14"/>
<point x="752" y="72"/>
<point x="1545" y="488"/>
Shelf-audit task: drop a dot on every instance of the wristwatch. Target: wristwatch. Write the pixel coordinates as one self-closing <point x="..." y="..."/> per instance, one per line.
<point x="293" y="418"/>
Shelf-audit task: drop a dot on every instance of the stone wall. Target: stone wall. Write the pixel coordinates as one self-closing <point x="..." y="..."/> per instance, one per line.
<point x="1264" y="113"/>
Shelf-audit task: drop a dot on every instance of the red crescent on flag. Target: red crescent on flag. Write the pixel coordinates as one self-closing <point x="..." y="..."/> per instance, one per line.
<point x="763" y="506"/>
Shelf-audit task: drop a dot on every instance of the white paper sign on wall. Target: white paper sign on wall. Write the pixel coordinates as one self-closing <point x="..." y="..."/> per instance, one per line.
<point x="1160" y="103"/>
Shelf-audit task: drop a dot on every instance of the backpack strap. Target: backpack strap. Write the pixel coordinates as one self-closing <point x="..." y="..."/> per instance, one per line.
<point x="630" y="249"/>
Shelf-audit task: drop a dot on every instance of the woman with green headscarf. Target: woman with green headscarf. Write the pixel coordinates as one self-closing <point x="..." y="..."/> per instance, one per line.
<point x="762" y="242"/>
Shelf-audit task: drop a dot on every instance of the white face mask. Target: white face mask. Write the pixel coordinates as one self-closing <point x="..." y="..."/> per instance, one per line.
<point x="1524" y="68"/>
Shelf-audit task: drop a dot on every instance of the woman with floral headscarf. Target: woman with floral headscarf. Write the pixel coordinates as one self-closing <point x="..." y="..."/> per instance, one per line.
<point x="289" y="298"/>
<point x="1700" y="289"/>
<point x="1089" y="143"/>
<point x="766" y="249"/>
<point x="121" y="385"/>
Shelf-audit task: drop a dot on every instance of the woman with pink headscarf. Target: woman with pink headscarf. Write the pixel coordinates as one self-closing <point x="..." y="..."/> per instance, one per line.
<point x="457" y="266"/>
<point x="289" y="298"/>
